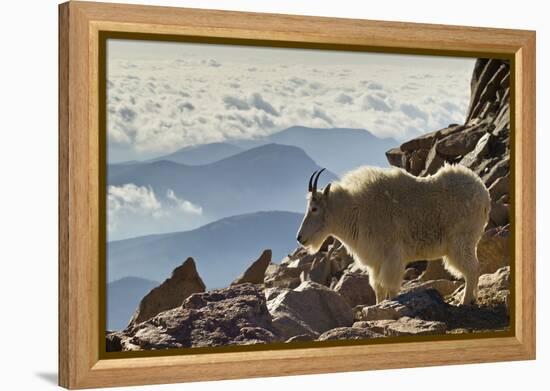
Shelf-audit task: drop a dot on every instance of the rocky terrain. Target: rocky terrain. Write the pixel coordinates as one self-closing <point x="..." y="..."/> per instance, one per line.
<point x="325" y="296"/>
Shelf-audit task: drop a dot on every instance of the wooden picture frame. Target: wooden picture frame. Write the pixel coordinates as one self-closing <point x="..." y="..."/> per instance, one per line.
<point x="81" y="364"/>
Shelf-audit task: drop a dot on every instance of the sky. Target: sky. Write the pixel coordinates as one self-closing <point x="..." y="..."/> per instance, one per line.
<point x="165" y="96"/>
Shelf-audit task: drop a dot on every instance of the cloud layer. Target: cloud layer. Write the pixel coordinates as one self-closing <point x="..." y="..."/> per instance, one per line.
<point x="158" y="105"/>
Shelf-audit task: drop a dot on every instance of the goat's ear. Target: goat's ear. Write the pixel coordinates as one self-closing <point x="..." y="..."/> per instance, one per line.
<point x="326" y="190"/>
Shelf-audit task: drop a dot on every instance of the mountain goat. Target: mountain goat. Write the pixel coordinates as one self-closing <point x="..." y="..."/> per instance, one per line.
<point x="387" y="218"/>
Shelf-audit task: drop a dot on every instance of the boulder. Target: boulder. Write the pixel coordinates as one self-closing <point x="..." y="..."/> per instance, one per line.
<point x="235" y="315"/>
<point x="184" y="281"/>
<point x="422" y="142"/>
<point x="386" y="310"/>
<point x="478" y="153"/>
<point x="499" y="169"/>
<point x="256" y="272"/>
<point x="500" y="214"/>
<point x="282" y="276"/>
<point x="300" y="338"/>
<point x="459" y="144"/>
<point x="499" y="280"/>
<point x="493" y="250"/>
<point x="318" y="272"/>
<point x="403" y="326"/>
<point x="444" y="287"/>
<point x="417" y="161"/>
<point x="493" y="289"/>
<point x="113" y="342"/>
<point x="396" y="157"/>
<point x="433" y="162"/>
<point x="500" y="187"/>
<point x="309" y="309"/>
<point x="347" y="333"/>
<point x="426" y="304"/>
<point x="355" y="289"/>
<point x="436" y="271"/>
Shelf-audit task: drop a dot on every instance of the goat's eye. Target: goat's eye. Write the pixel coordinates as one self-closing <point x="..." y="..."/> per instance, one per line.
<point x="314" y="209"/>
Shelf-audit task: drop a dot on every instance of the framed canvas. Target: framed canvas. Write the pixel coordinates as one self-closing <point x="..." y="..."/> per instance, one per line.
<point x="247" y="195"/>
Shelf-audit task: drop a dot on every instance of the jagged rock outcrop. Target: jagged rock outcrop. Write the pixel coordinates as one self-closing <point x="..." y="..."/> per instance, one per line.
<point x="185" y="280"/>
<point x="236" y="315"/>
<point x="482" y="143"/>
<point x="255" y="273"/>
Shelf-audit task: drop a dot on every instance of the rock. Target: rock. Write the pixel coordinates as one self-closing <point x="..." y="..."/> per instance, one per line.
<point x="339" y="259"/>
<point x="355" y="289"/>
<point x="386" y="310"/>
<point x="475" y="156"/>
<point x="500" y="169"/>
<point x="300" y="338"/>
<point x="500" y="187"/>
<point x="417" y="161"/>
<point x="493" y="250"/>
<point x="319" y="271"/>
<point x="436" y="271"/>
<point x="271" y="293"/>
<point x="309" y="309"/>
<point x="459" y="144"/>
<point x="491" y="311"/>
<point x="254" y="335"/>
<point x="433" y="162"/>
<point x="426" y="304"/>
<point x="493" y="290"/>
<point x="256" y="272"/>
<point x="347" y="333"/>
<point x="184" y="281"/>
<point x="500" y="214"/>
<point x="403" y="326"/>
<point x="498" y="280"/>
<point x="444" y="287"/>
<point x="235" y="315"/>
<point x="282" y="276"/>
<point x="411" y="273"/>
<point x="113" y="342"/>
<point x="413" y="326"/>
<point x="422" y="142"/>
<point x="396" y="157"/>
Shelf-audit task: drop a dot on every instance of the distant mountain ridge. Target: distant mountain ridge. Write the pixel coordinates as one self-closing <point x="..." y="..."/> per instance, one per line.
<point x="200" y="154"/>
<point x="221" y="249"/>
<point x="337" y="149"/>
<point x="268" y="177"/>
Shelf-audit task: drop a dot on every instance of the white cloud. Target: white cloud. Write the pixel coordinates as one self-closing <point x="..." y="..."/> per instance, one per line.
<point x="158" y="105"/>
<point x="183" y="205"/>
<point x="129" y="202"/>
<point x="133" y="198"/>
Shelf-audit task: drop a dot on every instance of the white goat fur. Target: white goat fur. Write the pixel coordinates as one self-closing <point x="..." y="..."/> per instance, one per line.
<point x="387" y="218"/>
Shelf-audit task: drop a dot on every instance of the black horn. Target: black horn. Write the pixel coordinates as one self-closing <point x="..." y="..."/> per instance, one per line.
<point x="310" y="186"/>
<point x="317" y="179"/>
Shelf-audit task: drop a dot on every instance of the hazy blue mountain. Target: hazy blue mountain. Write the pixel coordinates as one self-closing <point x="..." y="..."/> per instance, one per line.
<point x="201" y="154"/>
<point x="123" y="297"/>
<point x="338" y="149"/>
<point x="222" y="250"/>
<point x="268" y="177"/>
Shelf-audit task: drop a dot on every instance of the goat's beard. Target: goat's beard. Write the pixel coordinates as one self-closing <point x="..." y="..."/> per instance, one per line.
<point x="314" y="245"/>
